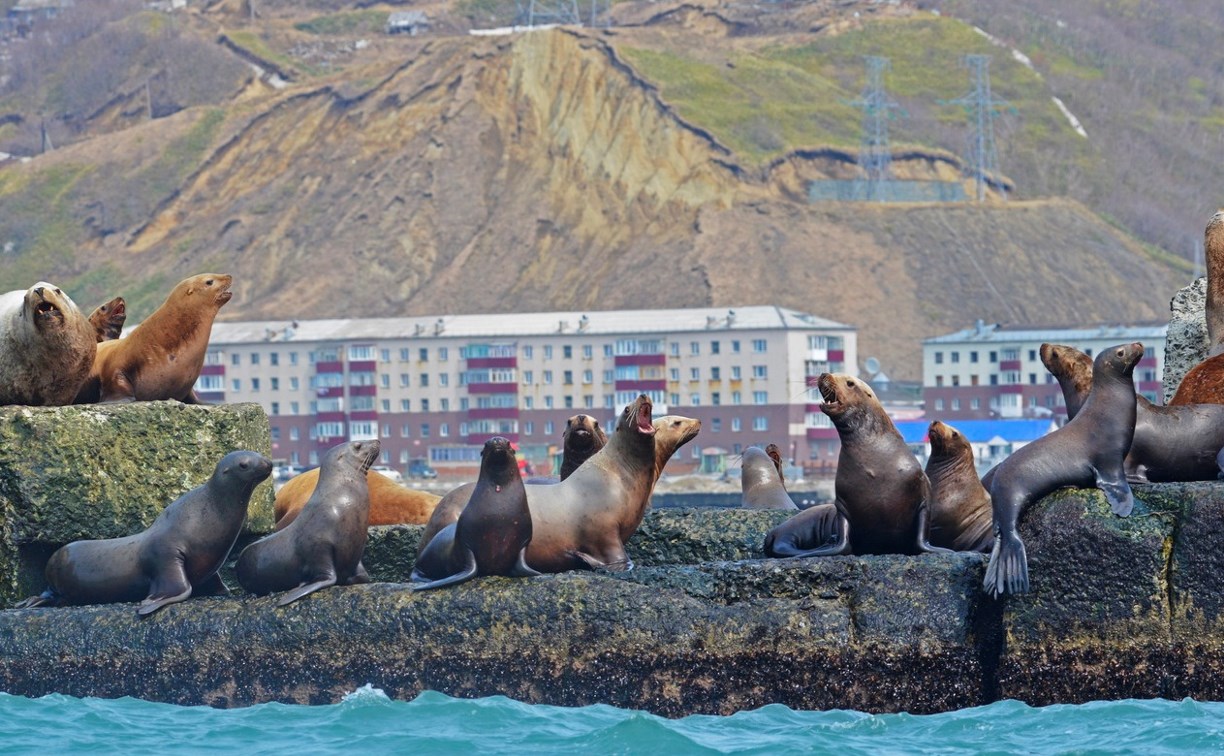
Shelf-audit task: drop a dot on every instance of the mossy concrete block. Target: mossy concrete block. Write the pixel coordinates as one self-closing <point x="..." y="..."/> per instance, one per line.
<point x="690" y="536"/>
<point x="1186" y="341"/>
<point x="104" y="471"/>
<point x="1099" y="613"/>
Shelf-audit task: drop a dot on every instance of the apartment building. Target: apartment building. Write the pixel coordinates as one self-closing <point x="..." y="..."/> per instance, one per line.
<point x="437" y="387"/>
<point x="993" y="371"/>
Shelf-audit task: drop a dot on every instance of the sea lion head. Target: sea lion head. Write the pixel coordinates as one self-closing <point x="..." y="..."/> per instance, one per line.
<point x="845" y="396"/>
<point x="946" y="441"/>
<point x="1066" y="363"/>
<point x="242" y="470"/>
<point x="498" y="461"/>
<point x="1118" y="361"/>
<point x="582" y="432"/>
<point x="205" y="290"/>
<point x="109" y="318"/>
<point x="672" y="432"/>
<point x="358" y="454"/>
<point x="756" y="468"/>
<point x="48" y="308"/>
<point x="776" y="455"/>
<point x="636" y="417"/>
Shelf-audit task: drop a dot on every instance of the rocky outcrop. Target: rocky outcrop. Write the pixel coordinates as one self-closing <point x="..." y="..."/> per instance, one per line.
<point x="1186" y="343"/>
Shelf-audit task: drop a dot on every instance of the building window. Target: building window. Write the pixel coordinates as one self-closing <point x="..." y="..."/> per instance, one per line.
<point x="293" y="408"/>
<point x="994" y="356"/>
<point x="235" y="384"/>
<point x="736" y="398"/>
<point x="274" y="358"/>
<point x="528" y="428"/>
<point x="528" y="377"/>
<point x="569" y="401"/>
<point x="588" y="377"/>
<point x="548" y="351"/>
<point x="384" y="380"/>
<point x="673" y="374"/>
<point x="294" y="434"/>
<point x="674" y="347"/>
<point x="759" y="371"/>
<point x="443" y="379"/>
<point x="443" y="354"/>
<point x="1032" y="355"/>
<point x="938" y="404"/>
<point x="735" y="347"/>
<point x="567" y="352"/>
<point x="443" y="429"/>
<point x="955" y="404"/>
<point x="423" y="354"/>
<point x="405" y="354"/>
<point x="547" y="378"/>
<point x="528" y="351"/>
<point x="695" y="400"/>
<point x="760" y="397"/>
<point x="567" y="377"/>
<point x="548" y="427"/>
<point x="424" y="405"/>
<point x="275" y="410"/>
<point x="210" y="383"/>
<point x="293" y="358"/>
<point x="294" y="384"/>
<point x="361" y="353"/>
<point x="405" y="405"/>
<point x="736" y="426"/>
<point x="548" y="402"/>
<point x="404" y="430"/>
<point x="275" y="383"/>
<point x="528" y="402"/>
<point x="760" y="423"/>
<point x="386" y="405"/>
<point x="235" y="359"/>
<point x="715" y="424"/>
<point x="424" y="381"/>
<point x="938" y="381"/>
<point x="694" y="347"/>
<point x="607" y="350"/>
<point x="1032" y="379"/>
<point x="384" y="355"/>
<point x="715" y="374"/>
<point x="587" y="352"/>
<point x="694" y="374"/>
<point x="759" y="345"/>
<point x="424" y="430"/>
<point x="715" y="398"/>
<point x="405" y="381"/>
<point x="735" y="372"/>
<point x="939" y="358"/>
<point x="956" y="380"/>
<point x="714" y="347"/>
<point x="955" y="357"/>
<point x="973" y="357"/>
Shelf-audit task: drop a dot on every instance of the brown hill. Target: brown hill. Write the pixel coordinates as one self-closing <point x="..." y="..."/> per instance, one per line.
<point x="526" y="172"/>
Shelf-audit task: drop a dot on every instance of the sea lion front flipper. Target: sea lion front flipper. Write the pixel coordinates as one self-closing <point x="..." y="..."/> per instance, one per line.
<point x="158" y="599"/>
<point x="624" y="564"/>
<point x="521" y="569"/>
<point x="466" y="572"/>
<point x="838" y="544"/>
<point x="46" y="598"/>
<point x="922" y="526"/>
<point x="308" y="588"/>
<point x="1117" y="493"/>
<point x="119" y="391"/>
<point x="359" y="575"/>
<point x="192" y="398"/>
<point x="212" y="586"/>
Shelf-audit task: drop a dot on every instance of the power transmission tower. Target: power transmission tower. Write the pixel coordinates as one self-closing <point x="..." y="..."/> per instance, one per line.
<point x="982" y="108"/>
<point x="540" y="12"/>
<point x="875" y="154"/>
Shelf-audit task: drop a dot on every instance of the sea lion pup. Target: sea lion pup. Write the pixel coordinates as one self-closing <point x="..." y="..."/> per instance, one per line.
<point x="492" y="533"/>
<point x="882" y="495"/>
<point x="960" y="506"/>
<point x="776" y="455"/>
<point x="162" y="358"/>
<point x="46" y="347"/>
<point x="761" y="482"/>
<point x="1171" y="444"/>
<point x="1086" y="452"/>
<point x="581" y="438"/>
<point x="108" y="319"/>
<point x="324" y="544"/>
<point x="1204" y="383"/>
<point x="390" y="502"/>
<point x="177" y="557"/>
<point x="670" y="433"/>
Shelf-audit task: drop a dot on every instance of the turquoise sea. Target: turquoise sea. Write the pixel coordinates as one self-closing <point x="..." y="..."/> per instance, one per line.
<point x="368" y="722"/>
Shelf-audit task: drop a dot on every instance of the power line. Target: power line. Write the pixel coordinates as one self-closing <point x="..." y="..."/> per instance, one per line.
<point x="982" y="108"/>
<point x="875" y="153"/>
<point x="541" y="12"/>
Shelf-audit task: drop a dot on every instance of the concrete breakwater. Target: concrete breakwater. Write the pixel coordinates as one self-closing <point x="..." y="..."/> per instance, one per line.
<point x="1120" y="607"/>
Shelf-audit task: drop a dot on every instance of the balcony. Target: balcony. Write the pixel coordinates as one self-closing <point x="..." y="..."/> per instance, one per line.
<point x="492" y="413"/>
<point x="363" y="391"/>
<point x="1008" y="365"/>
<point x="332" y="366"/>
<point x="328" y="392"/>
<point x="640" y="359"/>
<point x="642" y="385"/>
<point x="492" y="388"/>
<point x="476" y="363"/>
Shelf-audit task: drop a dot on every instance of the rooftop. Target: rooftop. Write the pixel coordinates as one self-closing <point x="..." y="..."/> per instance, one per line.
<point x="993" y="332"/>
<point x="516" y="325"/>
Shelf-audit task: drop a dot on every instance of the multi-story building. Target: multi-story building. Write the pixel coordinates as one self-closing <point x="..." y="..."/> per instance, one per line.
<point x="992" y="371"/>
<point x="438" y="387"/>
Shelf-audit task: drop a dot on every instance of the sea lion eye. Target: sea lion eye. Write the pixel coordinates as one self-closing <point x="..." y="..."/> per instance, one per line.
<point x="209" y="282"/>
<point x="242" y="464"/>
<point x="1121" y="352"/>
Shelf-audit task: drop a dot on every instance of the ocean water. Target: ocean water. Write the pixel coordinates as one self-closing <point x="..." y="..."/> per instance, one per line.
<point x="369" y="722"/>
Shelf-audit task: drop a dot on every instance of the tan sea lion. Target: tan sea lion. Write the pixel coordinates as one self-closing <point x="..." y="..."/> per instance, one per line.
<point x="46" y="347"/>
<point x="390" y="502"/>
<point x="1204" y="383"/>
<point x="960" y="505"/>
<point x="492" y="533"/>
<point x="162" y="358"/>
<point x="108" y="319"/>
<point x="1171" y="444"/>
<point x="761" y="482"/>
<point x="323" y="545"/>
<point x="882" y="494"/>
<point x="177" y="557"/>
<point x="1086" y="452"/>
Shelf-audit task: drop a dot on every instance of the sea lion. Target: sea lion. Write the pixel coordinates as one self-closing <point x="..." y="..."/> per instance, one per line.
<point x="177" y="557"/>
<point x="1204" y="383"/>
<point x="390" y="502"/>
<point x="671" y="433"/>
<point x="162" y="358"/>
<point x="492" y="533"/>
<point x="1086" y="452"/>
<point x="1171" y="444"/>
<point x="776" y="455"/>
<point x="761" y="482"/>
<point x="108" y="319"/>
<point x="960" y="505"/>
<point x="581" y="438"/>
<point x="46" y="347"/>
<point x="882" y="495"/>
<point x="324" y="544"/>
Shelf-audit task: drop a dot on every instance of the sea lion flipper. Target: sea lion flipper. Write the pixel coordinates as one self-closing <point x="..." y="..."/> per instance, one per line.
<point x="1118" y="494"/>
<point x="359" y="575"/>
<point x="119" y="391"/>
<point x="466" y="572"/>
<point x="212" y="586"/>
<point x="155" y="602"/>
<point x="521" y="568"/>
<point x="923" y="531"/>
<point x="624" y="564"/>
<point x="46" y="598"/>
<point x="1007" y="571"/>
<point x="308" y="588"/>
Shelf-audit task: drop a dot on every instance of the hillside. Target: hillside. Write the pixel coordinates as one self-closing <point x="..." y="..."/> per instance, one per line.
<point x="564" y="168"/>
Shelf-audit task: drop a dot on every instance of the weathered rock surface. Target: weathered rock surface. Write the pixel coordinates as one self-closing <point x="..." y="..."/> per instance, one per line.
<point x="104" y="471"/>
<point x="1186" y="342"/>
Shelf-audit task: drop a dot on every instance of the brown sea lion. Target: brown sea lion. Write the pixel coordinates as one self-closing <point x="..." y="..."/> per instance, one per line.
<point x="581" y="438"/>
<point x="776" y="455"/>
<point x="390" y="502"/>
<point x="813" y="527"/>
<point x="960" y="505"/>
<point x="177" y="557"/>
<point x="671" y="433"/>
<point x="162" y="358"/>
<point x="108" y="319"/>
<point x="1086" y="452"/>
<point x="761" y="482"/>
<point x="882" y="494"/>
<point x="324" y="544"/>
<point x="1204" y="383"/>
<point x="1171" y="444"/>
<point x="46" y="347"/>
<point x="492" y="533"/>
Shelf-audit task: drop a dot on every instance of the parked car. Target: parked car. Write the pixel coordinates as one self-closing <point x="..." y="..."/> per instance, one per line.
<point x="285" y="472"/>
<point x="419" y="468"/>
<point x="390" y="472"/>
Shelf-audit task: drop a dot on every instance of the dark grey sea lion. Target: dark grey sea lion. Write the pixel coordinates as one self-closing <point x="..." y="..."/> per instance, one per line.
<point x="761" y="482"/>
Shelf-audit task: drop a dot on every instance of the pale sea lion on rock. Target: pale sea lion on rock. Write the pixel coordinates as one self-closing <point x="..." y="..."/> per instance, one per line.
<point x="1086" y="452"/>
<point x="323" y="546"/>
<point x="108" y="319"/>
<point x="177" y="557"/>
<point x="960" y="505"/>
<point x="163" y="357"/>
<point x="882" y="495"/>
<point x="1171" y="444"/>
<point x="1204" y="383"/>
<point x="492" y="533"/>
<point x="390" y="502"/>
<point x="761" y="482"/>
<point x="46" y="347"/>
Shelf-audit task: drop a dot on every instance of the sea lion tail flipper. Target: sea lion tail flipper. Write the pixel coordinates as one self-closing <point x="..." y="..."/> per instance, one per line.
<point x="1118" y="494"/>
<point x="1007" y="571"/>
<point x="308" y="588"/>
<point x="46" y="598"/>
<point x="467" y="572"/>
<point x="521" y="568"/>
<point x="155" y="602"/>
